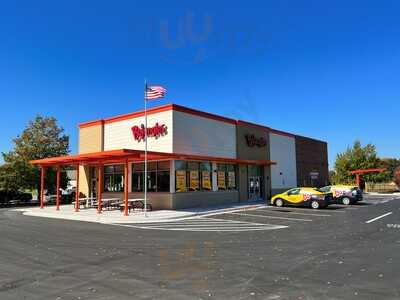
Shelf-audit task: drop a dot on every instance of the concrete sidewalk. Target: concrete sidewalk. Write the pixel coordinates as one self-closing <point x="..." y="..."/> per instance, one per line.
<point x="396" y="194"/>
<point x="67" y="212"/>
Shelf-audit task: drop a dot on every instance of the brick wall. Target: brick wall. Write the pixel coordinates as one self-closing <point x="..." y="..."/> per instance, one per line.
<point x="312" y="162"/>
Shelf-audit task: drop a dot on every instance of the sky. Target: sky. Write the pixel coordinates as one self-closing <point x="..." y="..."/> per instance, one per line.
<point x="324" y="69"/>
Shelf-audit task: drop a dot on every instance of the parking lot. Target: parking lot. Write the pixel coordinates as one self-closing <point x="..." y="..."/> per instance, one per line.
<point x="342" y="252"/>
<point x="264" y="218"/>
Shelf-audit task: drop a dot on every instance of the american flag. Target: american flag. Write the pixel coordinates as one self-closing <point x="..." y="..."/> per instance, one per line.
<point x="155" y="92"/>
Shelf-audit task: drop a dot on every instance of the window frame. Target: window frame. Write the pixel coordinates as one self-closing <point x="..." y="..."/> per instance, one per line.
<point x="187" y="166"/>
<point x="152" y="172"/>
<point x="113" y="174"/>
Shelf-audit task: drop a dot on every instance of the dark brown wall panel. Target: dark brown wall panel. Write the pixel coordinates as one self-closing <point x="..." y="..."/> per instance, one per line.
<point x="312" y="159"/>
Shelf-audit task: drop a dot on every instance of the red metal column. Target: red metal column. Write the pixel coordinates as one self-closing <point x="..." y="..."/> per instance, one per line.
<point x="126" y="189"/>
<point x="358" y="180"/>
<point x="77" y="204"/>
<point x="99" y="188"/>
<point x="58" y="188"/>
<point x="42" y="174"/>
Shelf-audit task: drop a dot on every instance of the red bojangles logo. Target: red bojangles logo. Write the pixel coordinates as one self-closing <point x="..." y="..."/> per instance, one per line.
<point x="253" y="141"/>
<point x="156" y="131"/>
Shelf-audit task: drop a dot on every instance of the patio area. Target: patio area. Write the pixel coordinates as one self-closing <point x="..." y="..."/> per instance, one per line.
<point x="112" y="216"/>
<point x="68" y="212"/>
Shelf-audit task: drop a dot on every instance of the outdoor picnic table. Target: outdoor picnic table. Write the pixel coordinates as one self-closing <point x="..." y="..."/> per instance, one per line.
<point x="135" y="203"/>
<point x="108" y="202"/>
<point x="85" y="201"/>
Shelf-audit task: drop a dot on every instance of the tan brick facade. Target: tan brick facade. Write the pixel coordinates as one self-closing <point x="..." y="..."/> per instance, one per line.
<point x="91" y="139"/>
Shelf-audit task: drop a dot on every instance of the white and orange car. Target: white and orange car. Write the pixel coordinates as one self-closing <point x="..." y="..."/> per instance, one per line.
<point x="343" y="194"/>
<point x="303" y="196"/>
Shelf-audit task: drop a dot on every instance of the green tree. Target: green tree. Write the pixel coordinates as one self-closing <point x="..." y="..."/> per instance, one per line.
<point x="358" y="157"/>
<point x="390" y="164"/>
<point x="396" y="176"/>
<point x="42" y="138"/>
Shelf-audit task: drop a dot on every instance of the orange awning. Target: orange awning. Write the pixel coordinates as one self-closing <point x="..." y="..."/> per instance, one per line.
<point x="122" y="155"/>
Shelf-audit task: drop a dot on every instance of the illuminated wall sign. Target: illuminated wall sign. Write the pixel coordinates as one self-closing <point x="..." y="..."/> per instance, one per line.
<point x="254" y="141"/>
<point x="156" y="131"/>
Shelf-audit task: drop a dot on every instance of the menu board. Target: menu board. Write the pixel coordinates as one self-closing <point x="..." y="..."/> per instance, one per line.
<point x="180" y="181"/>
<point x="206" y="180"/>
<point x="194" y="180"/>
<point x="221" y="180"/>
<point x="231" y="180"/>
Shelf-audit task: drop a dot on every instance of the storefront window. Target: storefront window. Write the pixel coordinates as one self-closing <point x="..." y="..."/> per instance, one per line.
<point x="206" y="176"/>
<point x="231" y="175"/>
<point x="221" y="176"/>
<point x="226" y="176"/>
<point x="180" y="176"/>
<point x="157" y="177"/>
<point x="163" y="176"/>
<point x="114" y="178"/>
<point x="193" y="173"/>
<point x="192" y="176"/>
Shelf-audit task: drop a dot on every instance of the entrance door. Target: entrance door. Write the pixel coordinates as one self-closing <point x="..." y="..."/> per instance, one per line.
<point x="254" y="187"/>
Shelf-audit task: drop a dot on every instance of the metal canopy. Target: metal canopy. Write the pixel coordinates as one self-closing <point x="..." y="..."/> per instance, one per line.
<point x="122" y="155"/>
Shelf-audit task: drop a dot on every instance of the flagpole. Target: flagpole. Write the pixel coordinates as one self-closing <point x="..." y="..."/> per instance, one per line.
<point x="145" y="148"/>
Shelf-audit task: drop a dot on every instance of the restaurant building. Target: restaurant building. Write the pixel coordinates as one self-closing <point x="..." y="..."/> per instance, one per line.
<point x="195" y="158"/>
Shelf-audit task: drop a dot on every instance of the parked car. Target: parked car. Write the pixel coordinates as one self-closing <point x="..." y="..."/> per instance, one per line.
<point x="344" y="194"/>
<point x="14" y="197"/>
<point x="302" y="196"/>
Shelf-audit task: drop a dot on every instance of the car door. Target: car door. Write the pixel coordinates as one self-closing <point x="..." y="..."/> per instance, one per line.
<point x="294" y="196"/>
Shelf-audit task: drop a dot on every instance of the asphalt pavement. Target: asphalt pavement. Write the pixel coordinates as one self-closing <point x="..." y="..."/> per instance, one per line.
<point x="269" y="253"/>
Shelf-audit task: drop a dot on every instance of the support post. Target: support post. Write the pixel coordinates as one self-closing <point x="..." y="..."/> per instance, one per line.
<point x="145" y="148"/>
<point x="126" y="195"/>
<point x="99" y="189"/>
<point x="42" y="174"/>
<point x="358" y="180"/>
<point x="58" y="188"/>
<point x="77" y="204"/>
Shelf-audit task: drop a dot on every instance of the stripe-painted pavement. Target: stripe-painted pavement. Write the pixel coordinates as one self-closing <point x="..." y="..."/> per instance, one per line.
<point x="205" y="224"/>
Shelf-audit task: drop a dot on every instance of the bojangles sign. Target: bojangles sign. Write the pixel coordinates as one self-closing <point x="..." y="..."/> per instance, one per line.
<point x="255" y="141"/>
<point x="156" y="131"/>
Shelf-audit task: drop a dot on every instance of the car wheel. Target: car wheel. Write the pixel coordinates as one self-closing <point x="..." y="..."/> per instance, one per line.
<point x="346" y="201"/>
<point x="279" y="202"/>
<point x="315" y="204"/>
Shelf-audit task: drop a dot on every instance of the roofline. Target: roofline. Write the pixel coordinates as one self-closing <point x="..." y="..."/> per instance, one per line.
<point x="156" y="110"/>
<point x="309" y="138"/>
<point x="265" y="128"/>
<point x="184" y="109"/>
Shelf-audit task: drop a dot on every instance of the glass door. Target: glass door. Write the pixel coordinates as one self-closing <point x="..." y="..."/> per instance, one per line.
<point x="254" y="187"/>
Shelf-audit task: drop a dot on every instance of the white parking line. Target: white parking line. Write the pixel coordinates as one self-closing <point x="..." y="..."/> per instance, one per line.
<point x="377" y="218"/>
<point x="346" y="206"/>
<point x="205" y="224"/>
<point x="271" y="217"/>
<point x="233" y="229"/>
<point x="329" y="209"/>
<point x="294" y="213"/>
